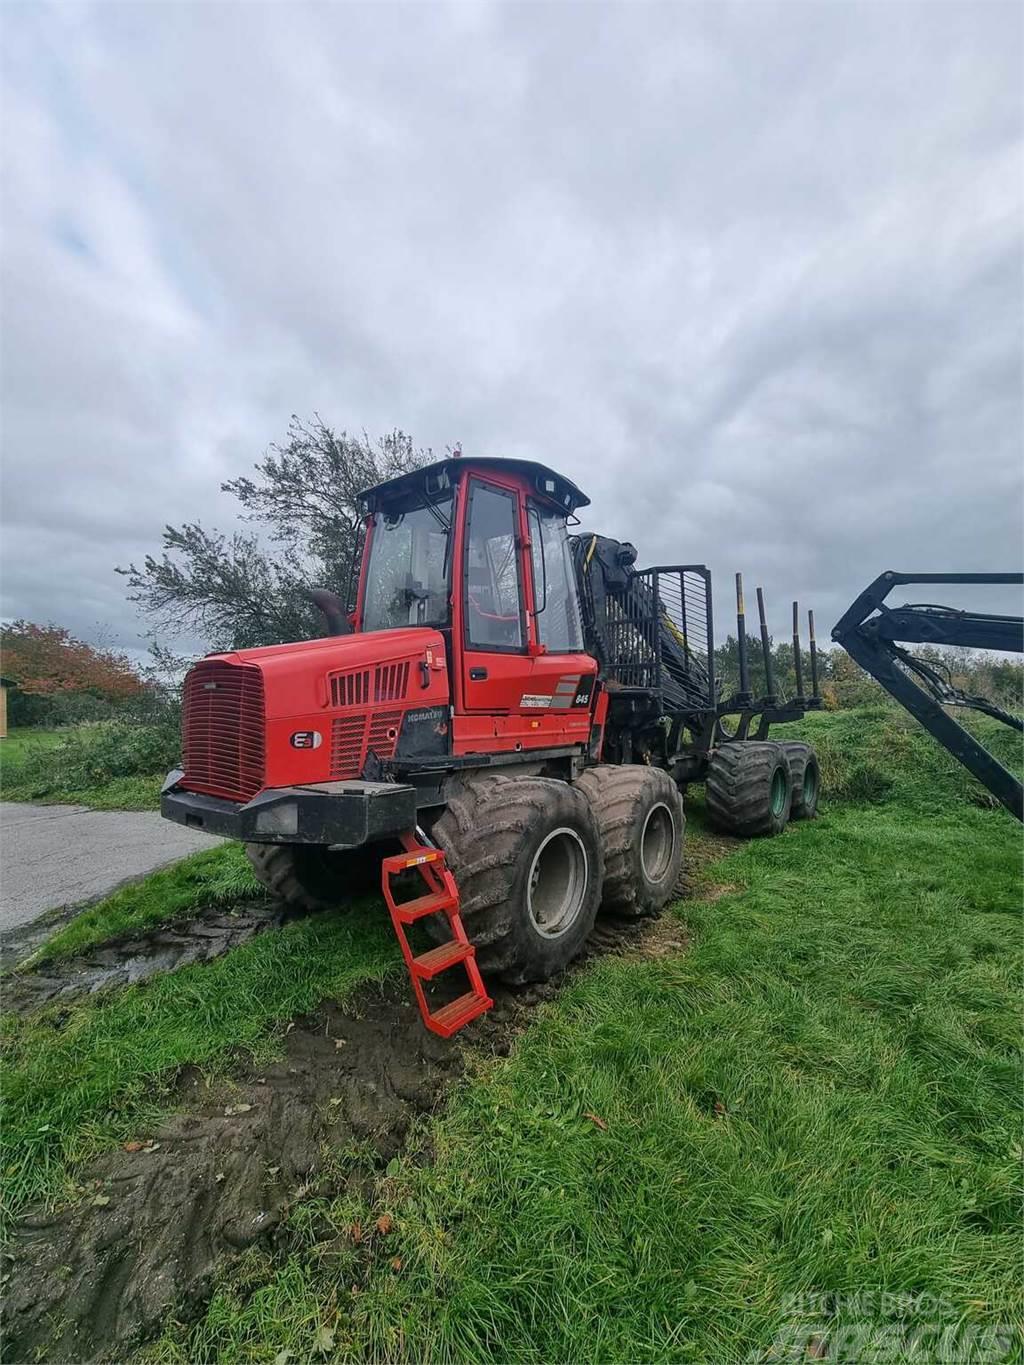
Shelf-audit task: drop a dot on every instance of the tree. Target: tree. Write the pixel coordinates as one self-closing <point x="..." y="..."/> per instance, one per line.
<point x="48" y="661"/>
<point x="238" y="590"/>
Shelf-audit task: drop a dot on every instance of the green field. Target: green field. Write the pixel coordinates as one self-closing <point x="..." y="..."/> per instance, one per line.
<point x="20" y="744"/>
<point x="695" y="1155"/>
<point x="43" y="765"/>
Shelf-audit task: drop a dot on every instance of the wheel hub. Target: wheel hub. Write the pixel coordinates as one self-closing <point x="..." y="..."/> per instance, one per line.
<point x="778" y="792"/>
<point x="657" y="842"/>
<point x="558" y="881"/>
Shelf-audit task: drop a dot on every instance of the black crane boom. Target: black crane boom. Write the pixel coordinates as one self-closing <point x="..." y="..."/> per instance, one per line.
<point x="873" y="634"/>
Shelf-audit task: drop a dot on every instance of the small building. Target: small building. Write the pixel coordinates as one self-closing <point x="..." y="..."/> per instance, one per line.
<point x="5" y="683"/>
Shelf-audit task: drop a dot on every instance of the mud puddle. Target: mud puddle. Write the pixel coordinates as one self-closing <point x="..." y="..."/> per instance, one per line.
<point x="94" y="1279"/>
<point x="124" y="960"/>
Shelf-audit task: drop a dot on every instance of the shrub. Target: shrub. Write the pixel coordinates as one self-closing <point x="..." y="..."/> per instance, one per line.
<point x="145" y="745"/>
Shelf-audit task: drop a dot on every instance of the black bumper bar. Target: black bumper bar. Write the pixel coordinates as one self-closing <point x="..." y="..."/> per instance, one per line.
<point x="336" y="814"/>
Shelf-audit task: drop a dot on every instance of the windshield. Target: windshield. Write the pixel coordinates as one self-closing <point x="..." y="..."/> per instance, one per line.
<point x="407" y="577"/>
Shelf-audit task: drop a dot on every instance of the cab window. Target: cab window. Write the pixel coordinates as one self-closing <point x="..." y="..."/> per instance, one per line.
<point x="554" y="583"/>
<point x="493" y="597"/>
<point x="407" y="577"/>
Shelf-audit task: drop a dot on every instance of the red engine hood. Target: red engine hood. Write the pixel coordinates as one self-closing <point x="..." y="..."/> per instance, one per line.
<point x="296" y="677"/>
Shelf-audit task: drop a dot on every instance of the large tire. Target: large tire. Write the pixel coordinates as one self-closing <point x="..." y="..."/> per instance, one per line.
<point x="749" y="788"/>
<point x="310" y="877"/>
<point x="527" y="857"/>
<point x="803" y="764"/>
<point x="639" y="814"/>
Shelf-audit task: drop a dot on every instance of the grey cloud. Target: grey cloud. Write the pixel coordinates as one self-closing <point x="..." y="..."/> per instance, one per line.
<point x="749" y="273"/>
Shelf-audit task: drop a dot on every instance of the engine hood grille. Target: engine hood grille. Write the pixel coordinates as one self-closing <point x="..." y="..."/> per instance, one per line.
<point x="223" y="725"/>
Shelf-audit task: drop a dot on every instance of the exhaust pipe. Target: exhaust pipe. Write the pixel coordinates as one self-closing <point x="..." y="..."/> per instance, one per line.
<point x="333" y="609"/>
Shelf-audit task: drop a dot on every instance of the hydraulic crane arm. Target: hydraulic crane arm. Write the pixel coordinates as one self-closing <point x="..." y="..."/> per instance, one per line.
<point x="872" y="634"/>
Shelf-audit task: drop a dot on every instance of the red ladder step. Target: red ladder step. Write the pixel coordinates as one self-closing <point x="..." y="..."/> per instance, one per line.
<point x="459" y="1013"/>
<point x="441" y="898"/>
<point x="427" y="965"/>
<point x="432" y="903"/>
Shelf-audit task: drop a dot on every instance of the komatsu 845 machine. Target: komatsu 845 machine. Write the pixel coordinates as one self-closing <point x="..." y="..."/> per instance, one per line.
<point x="504" y="713"/>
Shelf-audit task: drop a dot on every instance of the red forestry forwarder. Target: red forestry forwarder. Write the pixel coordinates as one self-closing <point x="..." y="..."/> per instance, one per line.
<point x="509" y="711"/>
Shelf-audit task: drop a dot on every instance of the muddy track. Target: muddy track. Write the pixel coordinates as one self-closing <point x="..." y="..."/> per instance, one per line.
<point x="124" y="960"/>
<point x="92" y="1280"/>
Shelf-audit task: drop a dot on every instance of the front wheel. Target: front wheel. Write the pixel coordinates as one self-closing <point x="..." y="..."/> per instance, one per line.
<point x="310" y="877"/>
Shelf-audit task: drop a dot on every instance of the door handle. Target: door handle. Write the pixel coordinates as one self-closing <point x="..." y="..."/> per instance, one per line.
<point x="477" y="674"/>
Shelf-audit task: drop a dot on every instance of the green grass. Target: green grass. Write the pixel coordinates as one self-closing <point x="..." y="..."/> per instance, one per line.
<point x="35" y="764"/>
<point x="21" y="743"/>
<point x="821" y="1096"/>
<point x="879" y="753"/>
<point x="216" y="876"/>
<point x="79" y="1079"/>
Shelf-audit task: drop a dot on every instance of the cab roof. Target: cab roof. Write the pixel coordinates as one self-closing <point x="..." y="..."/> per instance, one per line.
<point x="434" y="479"/>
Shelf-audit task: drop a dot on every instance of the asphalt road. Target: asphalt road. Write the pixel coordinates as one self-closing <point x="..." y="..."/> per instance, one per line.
<point x="51" y="856"/>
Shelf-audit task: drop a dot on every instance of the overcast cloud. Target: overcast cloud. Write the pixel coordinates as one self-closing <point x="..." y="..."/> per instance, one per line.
<point x="750" y="274"/>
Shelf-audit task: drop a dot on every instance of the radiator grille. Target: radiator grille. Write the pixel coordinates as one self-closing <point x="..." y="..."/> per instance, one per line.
<point x="352" y="737"/>
<point x="347" y="736"/>
<point x="223" y="730"/>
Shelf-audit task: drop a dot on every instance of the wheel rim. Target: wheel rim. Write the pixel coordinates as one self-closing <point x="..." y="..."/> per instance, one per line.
<point x="810" y="786"/>
<point x="778" y="791"/>
<point x="657" y="842"/>
<point x="557" y="885"/>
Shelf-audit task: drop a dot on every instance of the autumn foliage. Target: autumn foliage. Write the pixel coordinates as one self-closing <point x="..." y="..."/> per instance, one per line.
<point x="48" y="661"/>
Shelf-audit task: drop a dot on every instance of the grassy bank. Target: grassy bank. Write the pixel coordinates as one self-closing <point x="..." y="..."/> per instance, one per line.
<point x="108" y="765"/>
<point x="216" y="876"/>
<point x="82" y="1077"/>
<point x="711" y="1156"/>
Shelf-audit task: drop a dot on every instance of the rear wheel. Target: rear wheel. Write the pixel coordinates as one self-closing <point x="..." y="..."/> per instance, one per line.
<point x="527" y="857"/>
<point x="803" y="764"/>
<point x="310" y="877"/>
<point x="639" y="814"/>
<point x="749" y="788"/>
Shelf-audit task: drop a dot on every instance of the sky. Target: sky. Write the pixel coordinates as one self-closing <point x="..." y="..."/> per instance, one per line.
<point x="750" y="274"/>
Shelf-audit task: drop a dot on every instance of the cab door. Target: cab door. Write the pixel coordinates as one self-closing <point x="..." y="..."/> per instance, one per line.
<point x="495" y="663"/>
<point x="560" y="668"/>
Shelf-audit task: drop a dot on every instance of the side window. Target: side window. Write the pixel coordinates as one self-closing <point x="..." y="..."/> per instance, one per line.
<point x="494" y="617"/>
<point x="554" y="583"/>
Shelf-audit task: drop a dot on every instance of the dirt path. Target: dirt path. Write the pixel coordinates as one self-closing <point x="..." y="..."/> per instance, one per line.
<point x="91" y="1280"/>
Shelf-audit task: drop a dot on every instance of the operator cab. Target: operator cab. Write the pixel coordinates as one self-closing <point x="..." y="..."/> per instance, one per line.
<point x="478" y="549"/>
<point x="408" y="561"/>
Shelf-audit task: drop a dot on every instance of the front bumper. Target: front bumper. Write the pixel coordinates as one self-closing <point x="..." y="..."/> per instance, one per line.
<point x="336" y="814"/>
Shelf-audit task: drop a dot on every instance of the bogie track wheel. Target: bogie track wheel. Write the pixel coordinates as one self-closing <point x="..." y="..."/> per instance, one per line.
<point x="803" y="764"/>
<point x="527" y="858"/>
<point x="312" y="878"/>
<point x="749" y="788"/>
<point x="639" y="814"/>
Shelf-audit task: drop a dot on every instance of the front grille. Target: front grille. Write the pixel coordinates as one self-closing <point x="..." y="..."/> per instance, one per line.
<point x="223" y="730"/>
<point x="352" y="737"/>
